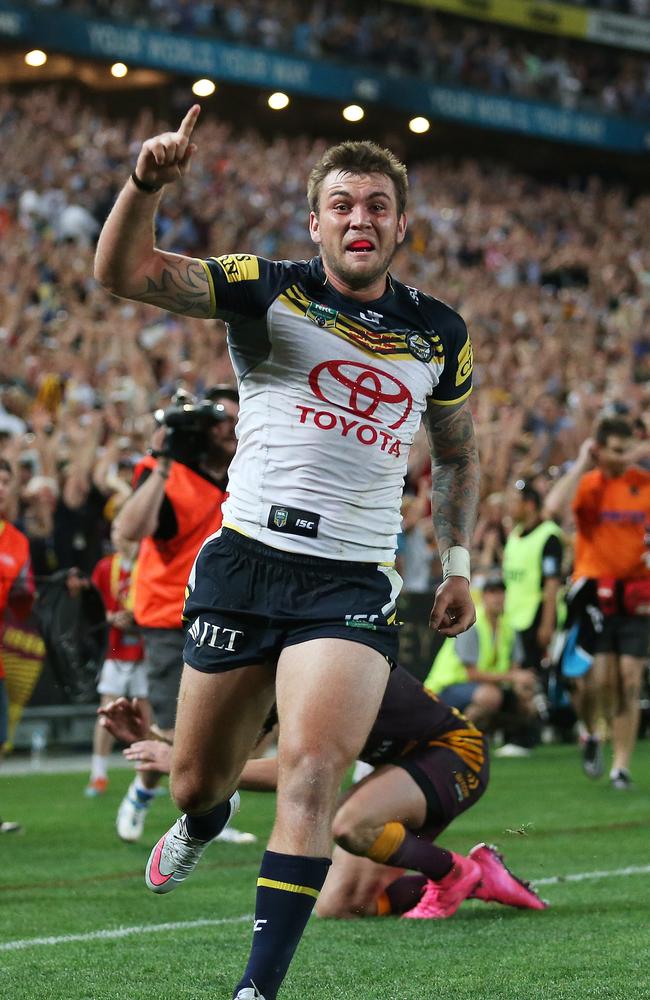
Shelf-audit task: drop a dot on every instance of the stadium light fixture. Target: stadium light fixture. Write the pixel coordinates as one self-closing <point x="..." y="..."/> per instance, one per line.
<point x="419" y="124"/>
<point x="278" y="101"/>
<point x="203" y="88"/>
<point x="119" y="70"/>
<point x="36" y="58"/>
<point x="353" y="113"/>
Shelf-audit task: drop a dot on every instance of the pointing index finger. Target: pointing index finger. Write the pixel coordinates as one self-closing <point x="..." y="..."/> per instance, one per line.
<point x="189" y="121"/>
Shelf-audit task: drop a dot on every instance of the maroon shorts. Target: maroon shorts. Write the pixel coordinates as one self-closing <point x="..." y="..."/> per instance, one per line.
<point x="449" y="783"/>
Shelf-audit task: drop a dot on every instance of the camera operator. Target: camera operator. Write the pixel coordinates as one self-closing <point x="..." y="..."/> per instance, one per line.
<point x="179" y="489"/>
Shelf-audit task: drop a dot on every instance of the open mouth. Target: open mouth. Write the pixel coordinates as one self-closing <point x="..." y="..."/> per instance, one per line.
<point x="360" y="246"/>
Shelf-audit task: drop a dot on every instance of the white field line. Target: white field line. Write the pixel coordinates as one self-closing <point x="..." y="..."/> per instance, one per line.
<point x="583" y="876"/>
<point x="120" y="932"/>
<point x="182" y="925"/>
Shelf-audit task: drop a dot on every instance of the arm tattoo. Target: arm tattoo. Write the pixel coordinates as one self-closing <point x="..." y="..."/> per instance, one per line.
<point x="455" y="474"/>
<point x="181" y="287"/>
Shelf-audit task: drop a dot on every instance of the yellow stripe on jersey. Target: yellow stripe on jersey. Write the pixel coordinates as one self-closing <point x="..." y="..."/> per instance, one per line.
<point x="303" y="890"/>
<point x="466" y="743"/>
<point x="372" y="342"/>
<point x="213" y="301"/>
<point x="233" y="527"/>
<point x="238" y="267"/>
<point x="465" y="362"/>
<point x="450" y="402"/>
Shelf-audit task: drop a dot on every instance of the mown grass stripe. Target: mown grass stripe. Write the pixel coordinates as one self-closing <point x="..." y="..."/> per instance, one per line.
<point x="180" y="925"/>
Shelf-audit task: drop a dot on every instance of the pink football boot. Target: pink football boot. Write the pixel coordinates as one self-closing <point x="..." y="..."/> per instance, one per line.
<point x="499" y="885"/>
<point x="441" y="899"/>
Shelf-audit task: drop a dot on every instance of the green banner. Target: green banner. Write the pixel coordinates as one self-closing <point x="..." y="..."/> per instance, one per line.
<point x="552" y="18"/>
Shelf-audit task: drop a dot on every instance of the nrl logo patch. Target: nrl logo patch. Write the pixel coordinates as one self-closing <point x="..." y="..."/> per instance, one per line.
<point x="322" y="316"/>
<point x="419" y="347"/>
<point x="280" y="518"/>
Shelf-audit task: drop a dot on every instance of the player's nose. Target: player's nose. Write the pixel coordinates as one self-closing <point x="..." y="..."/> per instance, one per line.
<point x="359" y="217"/>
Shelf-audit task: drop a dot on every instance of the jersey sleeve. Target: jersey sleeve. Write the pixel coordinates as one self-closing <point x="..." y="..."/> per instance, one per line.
<point x="167" y="527"/>
<point x="552" y="558"/>
<point x="245" y="285"/>
<point x="466" y="646"/>
<point x="586" y="503"/>
<point x="455" y="383"/>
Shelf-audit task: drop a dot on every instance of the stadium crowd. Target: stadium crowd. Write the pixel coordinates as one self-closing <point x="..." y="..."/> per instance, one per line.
<point x="553" y="282"/>
<point x="402" y="40"/>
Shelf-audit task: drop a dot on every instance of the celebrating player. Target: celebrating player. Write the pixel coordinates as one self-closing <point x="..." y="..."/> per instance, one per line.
<point x="293" y="600"/>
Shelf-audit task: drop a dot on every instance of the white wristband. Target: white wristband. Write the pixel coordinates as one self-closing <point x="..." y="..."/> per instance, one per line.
<point x="455" y="562"/>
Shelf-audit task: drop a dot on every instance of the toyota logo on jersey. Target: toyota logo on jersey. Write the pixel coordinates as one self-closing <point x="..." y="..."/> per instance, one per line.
<point x="363" y="388"/>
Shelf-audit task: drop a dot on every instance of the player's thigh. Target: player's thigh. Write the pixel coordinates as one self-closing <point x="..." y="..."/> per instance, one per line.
<point x="390" y="794"/>
<point x="218" y="719"/>
<point x="605" y="670"/>
<point x="353" y="885"/>
<point x="328" y="694"/>
<point x="452" y="780"/>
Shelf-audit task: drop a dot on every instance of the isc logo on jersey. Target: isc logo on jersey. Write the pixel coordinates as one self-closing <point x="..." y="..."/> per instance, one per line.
<point x="361" y="390"/>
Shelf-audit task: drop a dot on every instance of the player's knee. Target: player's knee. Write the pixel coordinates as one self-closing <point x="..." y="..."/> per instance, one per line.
<point x="488" y="697"/>
<point x="630" y="691"/>
<point x="194" y="793"/>
<point x="348" y="832"/>
<point x="311" y="779"/>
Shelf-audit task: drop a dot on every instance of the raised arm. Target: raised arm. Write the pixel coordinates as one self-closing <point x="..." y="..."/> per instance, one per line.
<point x="454" y="505"/>
<point x="559" y="499"/>
<point x="126" y="262"/>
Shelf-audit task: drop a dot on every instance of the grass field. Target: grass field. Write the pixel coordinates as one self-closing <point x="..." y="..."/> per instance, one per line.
<point x="68" y="882"/>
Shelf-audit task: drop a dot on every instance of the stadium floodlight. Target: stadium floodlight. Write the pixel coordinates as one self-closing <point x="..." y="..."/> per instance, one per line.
<point x="278" y="101"/>
<point x="119" y="70"/>
<point x="36" y="58"/>
<point x="353" y="113"/>
<point x="203" y="88"/>
<point x="419" y="124"/>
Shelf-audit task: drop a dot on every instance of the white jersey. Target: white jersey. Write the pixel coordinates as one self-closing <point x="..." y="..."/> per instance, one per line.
<point x="331" y="394"/>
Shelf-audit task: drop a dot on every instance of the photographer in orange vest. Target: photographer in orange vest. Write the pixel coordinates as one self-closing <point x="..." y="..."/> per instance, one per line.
<point x="179" y="490"/>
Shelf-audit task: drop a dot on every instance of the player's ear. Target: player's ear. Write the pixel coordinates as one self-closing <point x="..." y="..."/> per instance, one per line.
<point x="401" y="228"/>
<point x="314" y="227"/>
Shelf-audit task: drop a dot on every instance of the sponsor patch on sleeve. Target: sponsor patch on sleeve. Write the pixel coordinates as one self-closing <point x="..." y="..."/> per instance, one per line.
<point x="239" y="267"/>
<point x="465" y="362"/>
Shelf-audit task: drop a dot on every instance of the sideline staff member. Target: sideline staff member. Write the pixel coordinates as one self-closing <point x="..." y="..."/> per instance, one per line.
<point x="175" y="506"/>
<point x="611" y="506"/>
<point x="294" y="601"/>
<point x="478" y="672"/>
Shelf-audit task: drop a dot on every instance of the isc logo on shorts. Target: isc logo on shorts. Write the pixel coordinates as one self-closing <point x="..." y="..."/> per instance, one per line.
<point x="215" y="636"/>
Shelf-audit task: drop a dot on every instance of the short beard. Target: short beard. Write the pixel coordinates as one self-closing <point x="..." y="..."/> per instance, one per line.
<point x="359" y="281"/>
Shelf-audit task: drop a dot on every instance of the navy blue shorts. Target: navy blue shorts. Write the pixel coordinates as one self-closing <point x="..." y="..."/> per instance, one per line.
<point x="626" y="635"/>
<point x="246" y="601"/>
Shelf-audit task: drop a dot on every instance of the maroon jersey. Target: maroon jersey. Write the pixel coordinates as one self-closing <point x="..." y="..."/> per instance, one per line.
<point x="411" y="718"/>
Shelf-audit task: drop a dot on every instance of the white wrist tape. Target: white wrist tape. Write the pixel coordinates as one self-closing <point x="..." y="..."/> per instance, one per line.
<point x="455" y="562"/>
